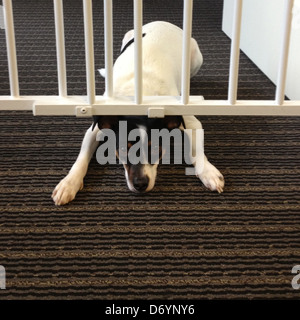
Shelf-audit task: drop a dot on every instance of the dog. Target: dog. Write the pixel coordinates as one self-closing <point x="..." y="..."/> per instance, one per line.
<point x="162" y="60"/>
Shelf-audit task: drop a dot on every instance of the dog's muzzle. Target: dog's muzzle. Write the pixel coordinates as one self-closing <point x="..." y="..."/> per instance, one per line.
<point x="140" y="184"/>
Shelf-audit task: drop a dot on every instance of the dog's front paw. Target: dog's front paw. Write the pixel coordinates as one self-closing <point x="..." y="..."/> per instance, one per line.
<point x="212" y="178"/>
<point x="66" y="190"/>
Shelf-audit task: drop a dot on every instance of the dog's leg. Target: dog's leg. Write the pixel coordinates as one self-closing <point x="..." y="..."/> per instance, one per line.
<point x="68" y="187"/>
<point x="210" y="176"/>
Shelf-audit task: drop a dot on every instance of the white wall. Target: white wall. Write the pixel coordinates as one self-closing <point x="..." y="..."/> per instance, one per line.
<point x="261" y="38"/>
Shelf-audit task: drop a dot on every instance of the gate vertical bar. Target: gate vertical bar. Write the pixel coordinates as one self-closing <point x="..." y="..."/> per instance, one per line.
<point x="284" y="54"/>
<point x="108" y="43"/>
<point x="138" y="58"/>
<point x="11" y="48"/>
<point x="89" y="50"/>
<point x="60" y="48"/>
<point x="186" y="51"/>
<point x="235" y="52"/>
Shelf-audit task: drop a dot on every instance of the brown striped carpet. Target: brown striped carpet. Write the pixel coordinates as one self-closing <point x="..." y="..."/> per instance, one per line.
<point x="178" y="242"/>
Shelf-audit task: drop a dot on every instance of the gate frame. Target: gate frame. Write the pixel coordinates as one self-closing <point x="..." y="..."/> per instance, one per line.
<point x="152" y="106"/>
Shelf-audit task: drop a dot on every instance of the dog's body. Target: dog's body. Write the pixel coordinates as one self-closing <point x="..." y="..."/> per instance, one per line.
<point x="162" y="56"/>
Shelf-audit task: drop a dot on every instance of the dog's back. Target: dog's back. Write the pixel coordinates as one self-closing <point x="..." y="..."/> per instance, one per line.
<point x="162" y="59"/>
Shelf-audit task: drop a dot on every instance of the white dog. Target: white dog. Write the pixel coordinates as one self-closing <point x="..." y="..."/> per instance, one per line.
<point x="162" y="59"/>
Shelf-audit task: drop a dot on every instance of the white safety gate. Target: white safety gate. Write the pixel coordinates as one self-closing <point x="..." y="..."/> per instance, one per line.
<point x="154" y="106"/>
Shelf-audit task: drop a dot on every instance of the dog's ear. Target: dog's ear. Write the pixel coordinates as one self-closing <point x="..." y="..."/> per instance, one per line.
<point x="102" y="72"/>
<point x="105" y="122"/>
<point x="128" y="36"/>
<point x="172" y="122"/>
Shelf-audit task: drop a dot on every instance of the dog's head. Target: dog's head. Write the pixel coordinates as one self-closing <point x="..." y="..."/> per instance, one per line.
<point x="139" y="154"/>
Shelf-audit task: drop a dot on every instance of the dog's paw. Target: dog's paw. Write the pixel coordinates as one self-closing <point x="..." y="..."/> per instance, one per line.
<point x="212" y="178"/>
<point x="66" y="190"/>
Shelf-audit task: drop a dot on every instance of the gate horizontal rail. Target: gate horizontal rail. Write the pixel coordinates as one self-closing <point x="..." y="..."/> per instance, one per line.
<point x="156" y="106"/>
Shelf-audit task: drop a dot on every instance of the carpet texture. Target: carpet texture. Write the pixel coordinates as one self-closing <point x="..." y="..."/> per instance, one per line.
<point x="180" y="241"/>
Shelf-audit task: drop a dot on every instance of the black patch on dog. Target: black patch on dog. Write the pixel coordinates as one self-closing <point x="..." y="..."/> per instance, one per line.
<point x="129" y="43"/>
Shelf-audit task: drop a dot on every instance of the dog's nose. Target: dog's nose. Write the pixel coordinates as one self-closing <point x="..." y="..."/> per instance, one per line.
<point x="140" y="183"/>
